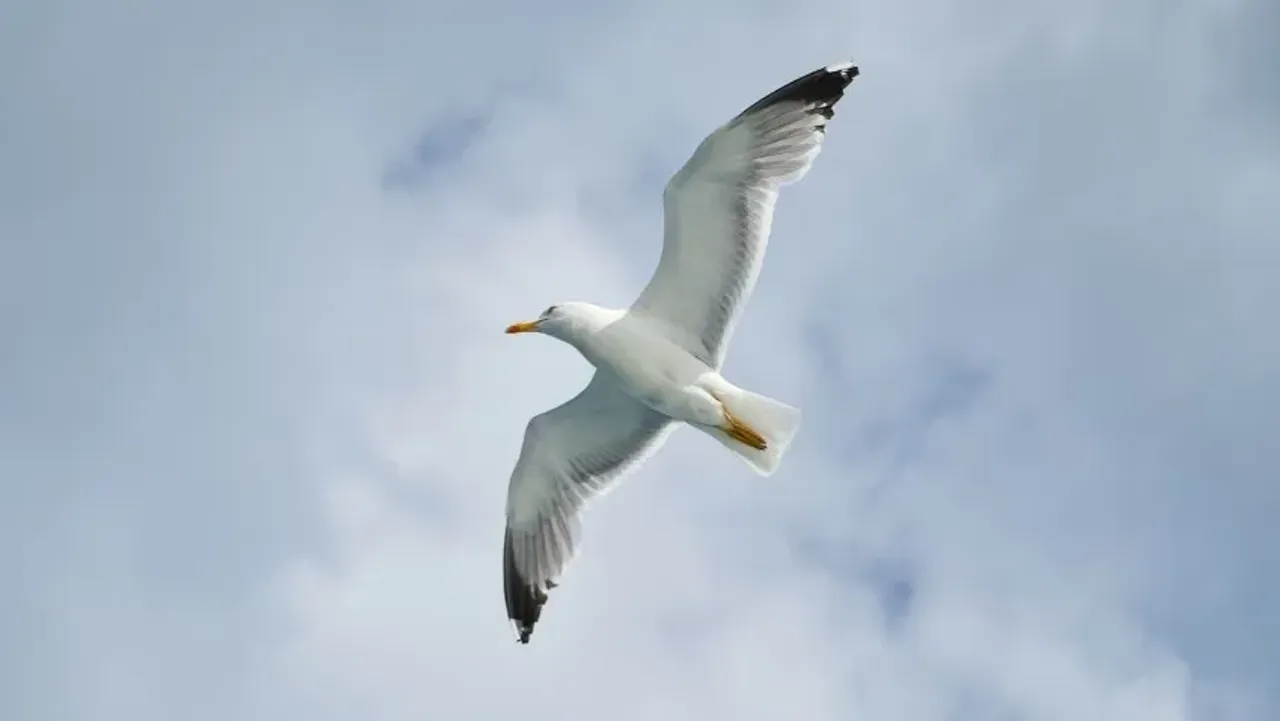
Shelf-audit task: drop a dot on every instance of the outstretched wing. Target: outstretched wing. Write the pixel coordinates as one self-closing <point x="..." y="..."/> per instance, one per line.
<point x="571" y="454"/>
<point x="719" y="209"/>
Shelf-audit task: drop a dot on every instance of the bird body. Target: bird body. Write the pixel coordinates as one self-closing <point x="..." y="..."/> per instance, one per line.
<point x="658" y="362"/>
<point x="669" y="378"/>
<point x="666" y="378"/>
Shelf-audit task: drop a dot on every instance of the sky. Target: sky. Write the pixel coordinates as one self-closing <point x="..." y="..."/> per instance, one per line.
<point x="257" y="414"/>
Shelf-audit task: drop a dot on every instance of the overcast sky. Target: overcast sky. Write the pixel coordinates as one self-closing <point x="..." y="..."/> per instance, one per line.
<point x="257" y="414"/>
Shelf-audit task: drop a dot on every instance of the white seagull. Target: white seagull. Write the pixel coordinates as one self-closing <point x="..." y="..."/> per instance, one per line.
<point x="658" y="362"/>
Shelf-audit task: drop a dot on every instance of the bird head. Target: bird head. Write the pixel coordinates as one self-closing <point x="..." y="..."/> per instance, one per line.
<point x="556" y="320"/>
<point x="562" y="320"/>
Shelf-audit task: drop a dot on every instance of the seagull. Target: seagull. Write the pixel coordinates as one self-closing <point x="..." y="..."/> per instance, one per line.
<point x="658" y="362"/>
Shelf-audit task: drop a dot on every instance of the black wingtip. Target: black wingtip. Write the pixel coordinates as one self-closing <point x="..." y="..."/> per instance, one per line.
<point x="524" y="601"/>
<point x="823" y="88"/>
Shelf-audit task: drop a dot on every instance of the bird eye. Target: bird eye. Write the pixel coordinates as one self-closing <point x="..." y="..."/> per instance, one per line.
<point x="548" y="311"/>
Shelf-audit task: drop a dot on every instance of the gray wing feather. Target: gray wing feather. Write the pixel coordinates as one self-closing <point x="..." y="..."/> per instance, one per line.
<point x="571" y="454"/>
<point x="719" y="210"/>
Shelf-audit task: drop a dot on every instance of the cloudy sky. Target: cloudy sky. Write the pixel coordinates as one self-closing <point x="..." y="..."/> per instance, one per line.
<point x="257" y="414"/>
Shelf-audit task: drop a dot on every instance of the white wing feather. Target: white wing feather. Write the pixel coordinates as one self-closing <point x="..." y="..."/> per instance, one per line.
<point x="571" y="454"/>
<point x="719" y="210"/>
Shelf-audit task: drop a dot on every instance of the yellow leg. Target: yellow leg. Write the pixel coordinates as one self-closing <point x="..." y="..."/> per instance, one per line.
<point x="742" y="432"/>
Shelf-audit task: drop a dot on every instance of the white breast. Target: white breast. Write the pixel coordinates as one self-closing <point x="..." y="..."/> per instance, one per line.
<point x="654" y="369"/>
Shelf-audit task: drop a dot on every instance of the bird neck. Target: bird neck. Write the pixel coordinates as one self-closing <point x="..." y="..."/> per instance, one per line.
<point x="580" y="331"/>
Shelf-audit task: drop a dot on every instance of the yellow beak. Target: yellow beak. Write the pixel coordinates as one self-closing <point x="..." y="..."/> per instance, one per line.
<point x="523" y="327"/>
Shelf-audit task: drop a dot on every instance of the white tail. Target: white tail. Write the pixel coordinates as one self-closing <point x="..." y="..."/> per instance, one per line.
<point x="776" y="421"/>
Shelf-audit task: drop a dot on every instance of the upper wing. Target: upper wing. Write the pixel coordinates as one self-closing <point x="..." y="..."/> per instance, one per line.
<point x="571" y="454"/>
<point x="719" y="208"/>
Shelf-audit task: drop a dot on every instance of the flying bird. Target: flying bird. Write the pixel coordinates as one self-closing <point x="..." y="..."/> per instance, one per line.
<point x="658" y="362"/>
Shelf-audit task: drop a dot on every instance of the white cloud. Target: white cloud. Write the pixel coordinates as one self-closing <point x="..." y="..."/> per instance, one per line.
<point x="261" y="415"/>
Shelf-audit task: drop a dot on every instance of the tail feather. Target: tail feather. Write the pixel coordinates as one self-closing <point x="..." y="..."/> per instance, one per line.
<point x="775" y="420"/>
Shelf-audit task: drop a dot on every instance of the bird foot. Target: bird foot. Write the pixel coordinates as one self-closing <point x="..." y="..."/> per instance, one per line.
<point x="743" y="433"/>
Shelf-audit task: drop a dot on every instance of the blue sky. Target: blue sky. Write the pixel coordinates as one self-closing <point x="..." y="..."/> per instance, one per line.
<point x="258" y="413"/>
